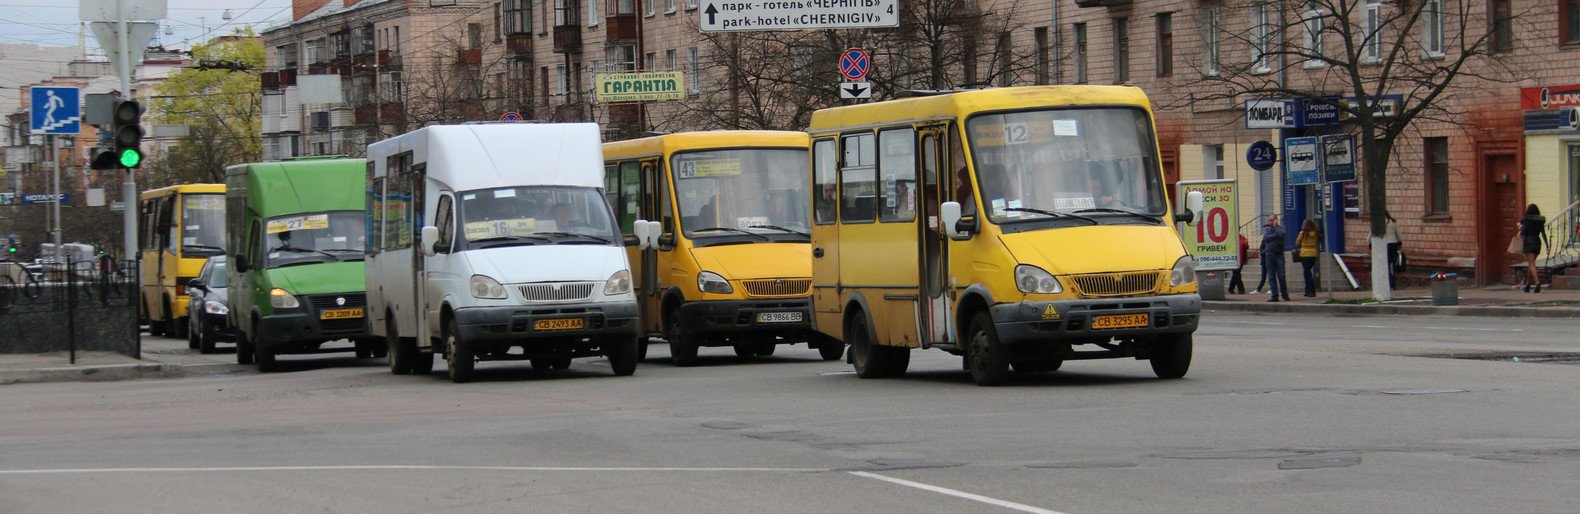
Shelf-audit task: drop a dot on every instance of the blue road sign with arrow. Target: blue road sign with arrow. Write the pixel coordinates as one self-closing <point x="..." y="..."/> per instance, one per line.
<point x="56" y="110"/>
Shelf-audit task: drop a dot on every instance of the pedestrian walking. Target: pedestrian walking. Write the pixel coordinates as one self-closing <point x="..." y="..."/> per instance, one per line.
<point x="1235" y="280"/>
<point x="1306" y="251"/>
<point x="1533" y="229"/>
<point x="1273" y="258"/>
<point x="1394" y="243"/>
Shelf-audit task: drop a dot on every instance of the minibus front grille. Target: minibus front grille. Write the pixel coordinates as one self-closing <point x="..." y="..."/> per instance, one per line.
<point x="1117" y="284"/>
<point x="338" y="301"/>
<point x="778" y="287"/>
<point x="555" y="292"/>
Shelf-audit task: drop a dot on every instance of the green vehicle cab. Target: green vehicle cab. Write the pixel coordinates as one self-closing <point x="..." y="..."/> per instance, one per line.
<point x="296" y="230"/>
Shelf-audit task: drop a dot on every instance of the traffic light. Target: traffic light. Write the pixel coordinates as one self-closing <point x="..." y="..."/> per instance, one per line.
<point x="10" y="248"/>
<point x="128" y="133"/>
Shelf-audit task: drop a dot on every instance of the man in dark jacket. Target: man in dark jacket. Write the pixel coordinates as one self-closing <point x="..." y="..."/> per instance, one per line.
<point x="1273" y="257"/>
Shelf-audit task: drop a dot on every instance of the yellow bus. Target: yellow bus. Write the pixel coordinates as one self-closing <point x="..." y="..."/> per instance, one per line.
<point x="1018" y="227"/>
<point x="728" y="263"/>
<point x="179" y="227"/>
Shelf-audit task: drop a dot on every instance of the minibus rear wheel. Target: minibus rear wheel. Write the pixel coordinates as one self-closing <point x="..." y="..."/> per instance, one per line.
<point x="1171" y="355"/>
<point x="400" y="353"/>
<point x="989" y="359"/>
<point x="681" y="348"/>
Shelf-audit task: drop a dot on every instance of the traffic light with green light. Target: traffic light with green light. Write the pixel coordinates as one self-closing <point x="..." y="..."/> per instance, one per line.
<point x="126" y="119"/>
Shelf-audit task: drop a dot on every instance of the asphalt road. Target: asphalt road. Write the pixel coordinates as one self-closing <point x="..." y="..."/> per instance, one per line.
<point x="1279" y="414"/>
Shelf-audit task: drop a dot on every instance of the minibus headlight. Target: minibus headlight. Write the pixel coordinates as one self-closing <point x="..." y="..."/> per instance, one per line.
<point x="710" y="282"/>
<point x="1184" y="272"/>
<point x="487" y="288"/>
<point x="282" y="299"/>
<point x="1032" y="279"/>
<point x="619" y="283"/>
<point x="216" y="308"/>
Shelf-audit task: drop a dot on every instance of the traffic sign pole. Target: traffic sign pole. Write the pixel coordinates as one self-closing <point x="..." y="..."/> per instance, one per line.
<point x="129" y="182"/>
<point x="54" y="146"/>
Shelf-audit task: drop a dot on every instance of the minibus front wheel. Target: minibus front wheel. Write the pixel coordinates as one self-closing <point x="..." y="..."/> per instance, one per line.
<point x="1171" y="355"/>
<point x="459" y="356"/>
<point x="986" y="355"/>
<point x="682" y="349"/>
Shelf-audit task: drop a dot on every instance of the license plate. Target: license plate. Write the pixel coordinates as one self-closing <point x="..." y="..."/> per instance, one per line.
<point x="340" y="313"/>
<point x="1121" y="321"/>
<point x="558" y="324"/>
<point x="778" y="317"/>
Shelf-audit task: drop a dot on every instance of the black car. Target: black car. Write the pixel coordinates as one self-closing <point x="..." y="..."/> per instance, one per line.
<point x="207" y="319"/>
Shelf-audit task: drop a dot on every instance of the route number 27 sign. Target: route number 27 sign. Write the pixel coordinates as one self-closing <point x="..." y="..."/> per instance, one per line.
<point x="1214" y="242"/>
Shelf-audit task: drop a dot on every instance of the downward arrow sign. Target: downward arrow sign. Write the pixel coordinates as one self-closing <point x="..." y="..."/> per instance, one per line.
<point x="855" y="90"/>
<point x="711" y="11"/>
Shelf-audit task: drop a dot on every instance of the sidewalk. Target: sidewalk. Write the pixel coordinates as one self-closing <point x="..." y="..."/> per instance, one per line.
<point x="1497" y="301"/>
<point x="163" y="357"/>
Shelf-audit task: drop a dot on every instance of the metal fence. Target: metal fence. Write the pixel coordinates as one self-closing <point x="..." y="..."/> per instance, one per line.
<point x="71" y="307"/>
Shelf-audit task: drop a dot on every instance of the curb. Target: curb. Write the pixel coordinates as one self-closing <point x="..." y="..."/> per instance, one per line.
<point x="1489" y="311"/>
<point x="111" y="372"/>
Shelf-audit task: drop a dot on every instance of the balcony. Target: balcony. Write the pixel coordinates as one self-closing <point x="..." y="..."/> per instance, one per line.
<point x="470" y="56"/>
<point x="1101" y="3"/>
<point x="567" y="38"/>
<point x="519" y="44"/>
<point x="622" y="27"/>
<point x="386" y="59"/>
<point x="271" y="80"/>
<point x="318" y="68"/>
<point x="287" y="77"/>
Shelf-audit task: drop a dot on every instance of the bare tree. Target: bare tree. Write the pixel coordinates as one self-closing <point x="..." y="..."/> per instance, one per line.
<point x="1351" y="54"/>
<point x="775" y="80"/>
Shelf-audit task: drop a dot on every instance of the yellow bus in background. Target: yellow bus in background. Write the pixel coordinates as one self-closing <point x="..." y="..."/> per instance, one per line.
<point x="179" y="227"/>
<point x="727" y="262"/>
<point x="1017" y="227"/>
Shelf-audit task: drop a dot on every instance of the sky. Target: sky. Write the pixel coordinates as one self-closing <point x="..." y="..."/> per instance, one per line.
<point x="55" y="22"/>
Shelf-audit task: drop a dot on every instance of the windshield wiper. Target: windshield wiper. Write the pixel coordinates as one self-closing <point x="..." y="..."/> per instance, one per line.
<point x="349" y="258"/>
<point x="1141" y="215"/>
<point x="508" y="240"/>
<point x="776" y="227"/>
<point x="289" y="248"/>
<point x="728" y="229"/>
<point x="1055" y="214"/>
<point x="203" y="247"/>
<point x="573" y="234"/>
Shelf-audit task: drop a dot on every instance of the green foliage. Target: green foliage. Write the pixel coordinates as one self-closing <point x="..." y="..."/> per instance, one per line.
<point x="220" y="107"/>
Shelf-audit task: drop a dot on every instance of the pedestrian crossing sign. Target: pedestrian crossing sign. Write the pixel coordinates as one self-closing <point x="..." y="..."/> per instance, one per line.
<point x="56" y="110"/>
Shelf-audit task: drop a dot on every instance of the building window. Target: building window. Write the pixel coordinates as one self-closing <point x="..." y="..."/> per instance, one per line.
<point x="691" y="4"/>
<point x="1044" y="60"/>
<point x="968" y="52"/>
<point x="1261" y="32"/>
<point x="499" y="21"/>
<point x="1210" y="34"/>
<point x="652" y="6"/>
<point x="1313" y="22"/>
<point x="669" y="6"/>
<point x="1569" y="22"/>
<point x="625" y="6"/>
<point x="1079" y="30"/>
<point x="651" y="62"/>
<point x="1165" y="51"/>
<point x="518" y="17"/>
<point x="693" y="82"/>
<point x="565" y="12"/>
<point x="1005" y="70"/>
<point x="669" y="60"/>
<point x="1121" y="49"/>
<point x="1437" y="175"/>
<point x="621" y="58"/>
<point x="1371" y="46"/>
<point x="1212" y="162"/>
<point x="1500" y="22"/>
<point x="592" y="13"/>
<point x="474" y="36"/>
<point x="1432" y="28"/>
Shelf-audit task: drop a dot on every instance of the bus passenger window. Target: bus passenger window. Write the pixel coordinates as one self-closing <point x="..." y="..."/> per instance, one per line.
<point x="961" y="178"/>
<point x="857" y="191"/>
<point x="824" y="159"/>
<point x="897" y="176"/>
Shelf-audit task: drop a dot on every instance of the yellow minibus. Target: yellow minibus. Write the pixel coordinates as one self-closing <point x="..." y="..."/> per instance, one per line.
<point x="717" y="227"/>
<point x="1016" y="227"/>
<point x="180" y="228"/>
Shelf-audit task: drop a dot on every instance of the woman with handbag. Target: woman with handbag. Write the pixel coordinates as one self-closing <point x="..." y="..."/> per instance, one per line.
<point x="1533" y="235"/>
<point x="1309" y="247"/>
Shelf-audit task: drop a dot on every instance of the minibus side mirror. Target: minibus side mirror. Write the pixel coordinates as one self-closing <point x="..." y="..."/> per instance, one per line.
<point x="639" y="229"/>
<point x="430" y="239"/>
<point x="949" y="218"/>
<point x="239" y="261"/>
<point x="655" y="236"/>
<point x="1193" y="207"/>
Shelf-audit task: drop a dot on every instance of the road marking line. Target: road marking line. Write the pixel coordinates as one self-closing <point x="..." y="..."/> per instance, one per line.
<point x="958" y="494"/>
<point x="397" y="467"/>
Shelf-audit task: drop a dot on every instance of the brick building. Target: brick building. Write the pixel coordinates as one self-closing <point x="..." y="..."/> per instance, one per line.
<point x="1456" y="181"/>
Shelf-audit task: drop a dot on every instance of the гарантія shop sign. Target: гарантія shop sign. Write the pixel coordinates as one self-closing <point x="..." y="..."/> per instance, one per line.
<point x="646" y="86"/>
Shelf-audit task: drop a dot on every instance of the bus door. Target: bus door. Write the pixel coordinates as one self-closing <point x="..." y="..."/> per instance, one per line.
<point x="413" y="180"/>
<point x="825" y="237"/>
<point x="934" y="318"/>
<point x="655" y="207"/>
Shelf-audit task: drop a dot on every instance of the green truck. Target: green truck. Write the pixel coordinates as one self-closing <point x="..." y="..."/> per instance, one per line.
<point x="297" y="237"/>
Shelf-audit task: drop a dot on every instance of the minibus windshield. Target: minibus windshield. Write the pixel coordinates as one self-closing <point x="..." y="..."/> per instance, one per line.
<point x="202" y="225"/>
<point x="758" y="193"/>
<point x="531" y="215"/>
<point x="1068" y="164"/>
<point x="313" y="237"/>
